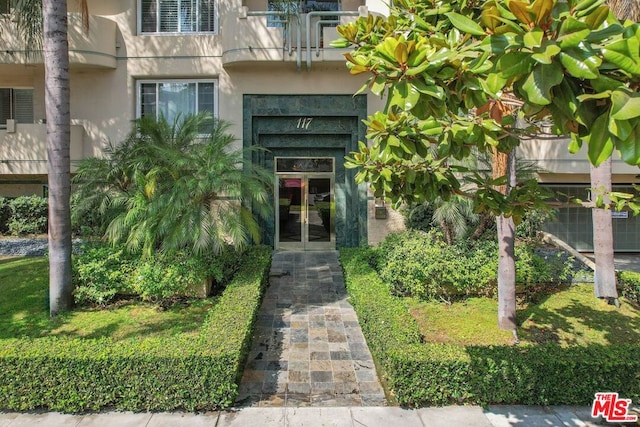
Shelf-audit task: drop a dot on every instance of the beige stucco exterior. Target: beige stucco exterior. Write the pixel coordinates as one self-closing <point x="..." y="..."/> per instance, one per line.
<point x="244" y="56"/>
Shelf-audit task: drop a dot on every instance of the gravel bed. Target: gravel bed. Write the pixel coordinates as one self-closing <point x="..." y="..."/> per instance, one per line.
<point x="19" y="246"/>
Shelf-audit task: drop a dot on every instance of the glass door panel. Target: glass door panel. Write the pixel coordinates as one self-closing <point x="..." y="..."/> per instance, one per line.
<point x="319" y="217"/>
<point x="290" y="209"/>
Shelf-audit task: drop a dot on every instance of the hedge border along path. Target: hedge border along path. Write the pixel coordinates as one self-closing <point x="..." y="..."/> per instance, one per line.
<point x="423" y="374"/>
<point x="158" y="374"/>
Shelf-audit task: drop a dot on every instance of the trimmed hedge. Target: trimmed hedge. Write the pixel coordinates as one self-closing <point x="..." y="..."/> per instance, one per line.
<point x="160" y="374"/>
<point x="423" y="374"/>
<point x="29" y="215"/>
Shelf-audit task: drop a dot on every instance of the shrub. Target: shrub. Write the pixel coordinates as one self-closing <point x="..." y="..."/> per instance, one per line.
<point x="86" y="220"/>
<point x="101" y="272"/>
<point x="165" y="275"/>
<point x="154" y="374"/>
<point x="422" y="265"/>
<point x="5" y="215"/>
<point x="533" y="222"/>
<point x="422" y="374"/>
<point x="28" y="215"/>
<point x="629" y="281"/>
<point x="419" y="217"/>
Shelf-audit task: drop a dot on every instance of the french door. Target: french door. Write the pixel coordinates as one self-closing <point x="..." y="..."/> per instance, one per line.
<point x="305" y="211"/>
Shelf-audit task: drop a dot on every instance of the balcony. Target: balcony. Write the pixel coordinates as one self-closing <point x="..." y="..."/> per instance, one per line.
<point x="300" y="38"/>
<point x="93" y="49"/>
<point x="23" y="149"/>
<point x="553" y="156"/>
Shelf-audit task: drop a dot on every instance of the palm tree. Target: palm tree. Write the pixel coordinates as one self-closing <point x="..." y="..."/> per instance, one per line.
<point x="170" y="187"/>
<point x="45" y="24"/>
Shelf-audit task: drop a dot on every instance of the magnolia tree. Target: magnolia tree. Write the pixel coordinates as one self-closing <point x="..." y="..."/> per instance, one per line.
<point x="462" y="77"/>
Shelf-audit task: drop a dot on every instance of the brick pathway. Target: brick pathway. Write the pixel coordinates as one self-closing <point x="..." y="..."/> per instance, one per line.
<point x="308" y="348"/>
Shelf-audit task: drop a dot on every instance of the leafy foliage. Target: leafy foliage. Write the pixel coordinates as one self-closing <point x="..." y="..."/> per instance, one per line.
<point x="28" y="215"/>
<point x="161" y="374"/>
<point x="630" y="283"/>
<point x="423" y="265"/>
<point x="425" y="374"/>
<point x="103" y="272"/>
<point x="5" y="215"/>
<point x="456" y="77"/>
<point x="171" y="187"/>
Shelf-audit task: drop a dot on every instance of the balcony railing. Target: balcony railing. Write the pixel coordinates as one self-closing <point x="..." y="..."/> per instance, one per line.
<point x="294" y="37"/>
<point x="93" y="48"/>
<point x="23" y="148"/>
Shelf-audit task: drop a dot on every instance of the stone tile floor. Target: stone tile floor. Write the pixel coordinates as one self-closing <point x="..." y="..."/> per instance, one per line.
<point x="308" y="348"/>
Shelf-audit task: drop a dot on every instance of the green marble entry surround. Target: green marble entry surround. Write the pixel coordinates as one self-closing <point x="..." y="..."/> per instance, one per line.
<point x="312" y="126"/>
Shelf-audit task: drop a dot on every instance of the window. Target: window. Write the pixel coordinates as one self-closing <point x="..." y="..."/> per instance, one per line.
<point x="171" y="98"/>
<point x="176" y="16"/>
<point x="5" y="6"/>
<point x="16" y="104"/>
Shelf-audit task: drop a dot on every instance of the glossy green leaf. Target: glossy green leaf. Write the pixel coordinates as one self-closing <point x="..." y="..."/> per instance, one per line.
<point x="465" y="24"/>
<point x="538" y="84"/>
<point x="600" y="145"/>
<point x="405" y="96"/>
<point x="621" y="129"/>
<point x="605" y="33"/>
<point x="596" y="18"/>
<point x="630" y="148"/>
<point x="618" y="54"/>
<point x="625" y="105"/>
<point x="542" y="9"/>
<point x="580" y="63"/>
<point x="572" y="33"/>
<point x="533" y="38"/>
<point x="547" y="53"/>
<point x="575" y="144"/>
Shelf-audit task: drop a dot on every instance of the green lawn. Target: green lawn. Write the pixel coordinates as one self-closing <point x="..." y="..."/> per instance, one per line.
<point x="570" y="316"/>
<point x="24" y="310"/>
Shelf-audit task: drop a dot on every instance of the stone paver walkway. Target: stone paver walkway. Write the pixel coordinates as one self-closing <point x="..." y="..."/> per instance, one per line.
<point x="308" y="348"/>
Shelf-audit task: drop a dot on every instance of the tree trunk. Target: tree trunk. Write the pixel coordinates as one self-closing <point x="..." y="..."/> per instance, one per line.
<point x="57" y="99"/>
<point x="504" y="164"/>
<point x="605" y="275"/>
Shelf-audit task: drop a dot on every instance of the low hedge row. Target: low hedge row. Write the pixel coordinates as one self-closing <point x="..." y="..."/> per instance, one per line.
<point x="422" y="374"/>
<point x="161" y="374"/>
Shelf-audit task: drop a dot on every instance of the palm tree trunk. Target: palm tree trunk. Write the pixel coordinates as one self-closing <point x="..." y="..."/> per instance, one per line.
<point x="57" y="99"/>
<point x="504" y="164"/>
<point x="605" y="275"/>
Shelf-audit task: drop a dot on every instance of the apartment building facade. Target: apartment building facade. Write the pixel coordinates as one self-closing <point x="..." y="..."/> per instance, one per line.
<point x="272" y="75"/>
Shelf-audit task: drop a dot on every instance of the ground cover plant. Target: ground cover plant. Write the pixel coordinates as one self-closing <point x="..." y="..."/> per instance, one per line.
<point x="438" y="353"/>
<point x="129" y="356"/>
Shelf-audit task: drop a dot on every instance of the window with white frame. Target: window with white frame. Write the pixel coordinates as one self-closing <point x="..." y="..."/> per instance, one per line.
<point x="176" y="16"/>
<point x="16" y="104"/>
<point x="170" y="98"/>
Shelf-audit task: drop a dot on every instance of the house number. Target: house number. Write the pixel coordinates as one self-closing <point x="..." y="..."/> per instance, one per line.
<point x="304" y="122"/>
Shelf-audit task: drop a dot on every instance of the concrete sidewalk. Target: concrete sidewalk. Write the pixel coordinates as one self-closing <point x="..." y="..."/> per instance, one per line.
<point x="471" y="416"/>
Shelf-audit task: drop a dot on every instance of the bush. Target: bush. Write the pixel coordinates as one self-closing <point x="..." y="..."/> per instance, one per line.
<point x="5" y="215"/>
<point x="419" y="217"/>
<point x="422" y="265"/>
<point x="165" y="275"/>
<point x="629" y="281"/>
<point x="435" y="374"/>
<point x="533" y="222"/>
<point x="28" y="215"/>
<point x="155" y="374"/>
<point x="86" y="221"/>
<point x="101" y="272"/>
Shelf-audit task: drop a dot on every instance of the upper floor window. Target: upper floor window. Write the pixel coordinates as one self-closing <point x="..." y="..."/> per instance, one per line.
<point x="171" y="98"/>
<point x="5" y="6"/>
<point x="176" y="16"/>
<point x="16" y="104"/>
